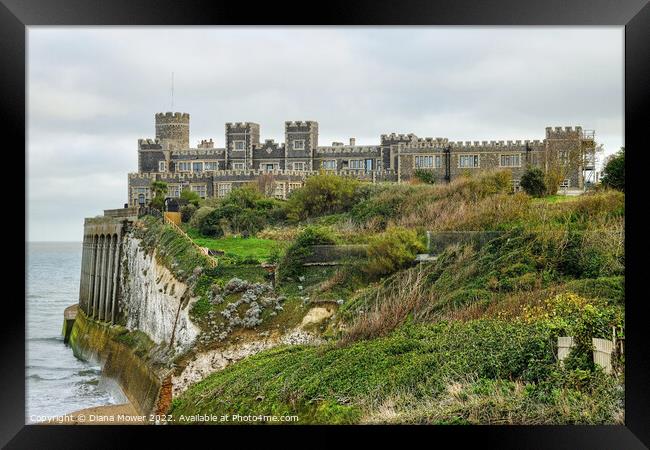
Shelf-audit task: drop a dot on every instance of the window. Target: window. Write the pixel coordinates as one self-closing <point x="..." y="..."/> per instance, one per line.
<point x="299" y="166"/>
<point x="197" y="167"/>
<point x="437" y="160"/>
<point x="162" y="166"/>
<point x="468" y="161"/>
<point x="299" y="144"/>
<point x="294" y="186"/>
<point x="239" y="145"/>
<point x="329" y="164"/>
<point x="224" y="189"/>
<point x="278" y="192"/>
<point x="563" y="155"/>
<point x="510" y="160"/>
<point x="174" y="190"/>
<point x="516" y="185"/>
<point x="356" y="164"/>
<point x="212" y="165"/>
<point x="238" y="166"/>
<point x="199" y="189"/>
<point x="269" y="167"/>
<point x="182" y="166"/>
<point x="426" y="161"/>
<point x="565" y="183"/>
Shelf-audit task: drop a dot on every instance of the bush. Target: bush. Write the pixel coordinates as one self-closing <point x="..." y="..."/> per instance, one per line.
<point x="199" y="216"/>
<point x="425" y="176"/>
<point x="532" y="182"/>
<point x="323" y="194"/>
<point x="212" y="224"/>
<point x="190" y="197"/>
<point x="291" y="262"/>
<point x="243" y="211"/>
<point x="614" y="171"/>
<point x="391" y="251"/>
<point x="187" y="212"/>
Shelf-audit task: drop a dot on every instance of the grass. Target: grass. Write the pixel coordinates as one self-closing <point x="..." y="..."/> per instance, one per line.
<point x="250" y="248"/>
<point x="554" y="198"/>
<point x="345" y="384"/>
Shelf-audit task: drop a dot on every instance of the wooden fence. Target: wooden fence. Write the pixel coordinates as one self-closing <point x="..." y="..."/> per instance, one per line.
<point x="603" y="349"/>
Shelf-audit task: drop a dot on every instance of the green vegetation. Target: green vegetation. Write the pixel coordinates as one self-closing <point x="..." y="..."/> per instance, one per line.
<point x="614" y="171"/>
<point x="532" y="182"/>
<point x="323" y="194"/>
<point x="334" y="384"/>
<point x="392" y="250"/>
<point x="425" y="176"/>
<point x="249" y="249"/>
<point x="291" y="263"/>
<point x="159" y="191"/>
<point x="468" y="338"/>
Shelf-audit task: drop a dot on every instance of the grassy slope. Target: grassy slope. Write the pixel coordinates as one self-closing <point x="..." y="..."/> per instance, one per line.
<point x="416" y="365"/>
<point x="247" y="248"/>
<point x="444" y="373"/>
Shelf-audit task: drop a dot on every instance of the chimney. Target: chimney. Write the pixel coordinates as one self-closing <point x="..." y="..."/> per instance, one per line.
<point x="353" y="141"/>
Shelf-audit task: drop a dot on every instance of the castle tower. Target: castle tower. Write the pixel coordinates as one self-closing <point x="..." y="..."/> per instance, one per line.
<point x="301" y="140"/>
<point x="564" y="155"/>
<point x="173" y="130"/>
<point x="241" y="137"/>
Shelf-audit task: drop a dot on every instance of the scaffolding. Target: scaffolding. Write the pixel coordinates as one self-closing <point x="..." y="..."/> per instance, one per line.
<point x="589" y="173"/>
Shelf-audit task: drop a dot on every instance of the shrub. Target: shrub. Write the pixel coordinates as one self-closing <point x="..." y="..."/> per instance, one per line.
<point x="212" y="224"/>
<point x="187" y="211"/>
<point x="190" y="197"/>
<point x="425" y="176"/>
<point x="391" y="251"/>
<point x="532" y="182"/>
<point x="614" y="171"/>
<point x="291" y="263"/>
<point x="199" y="216"/>
<point x="323" y="194"/>
<point x="243" y="211"/>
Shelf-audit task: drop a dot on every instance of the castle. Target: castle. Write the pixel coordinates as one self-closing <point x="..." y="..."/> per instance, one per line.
<point x="211" y="171"/>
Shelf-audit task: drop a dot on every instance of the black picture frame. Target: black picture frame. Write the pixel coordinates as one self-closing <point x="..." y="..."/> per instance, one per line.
<point x="16" y="15"/>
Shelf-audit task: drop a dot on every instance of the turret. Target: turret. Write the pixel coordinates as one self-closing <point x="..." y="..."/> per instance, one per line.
<point x="173" y="130"/>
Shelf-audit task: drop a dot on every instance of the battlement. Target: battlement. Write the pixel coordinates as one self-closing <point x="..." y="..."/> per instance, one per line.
<point x="206" y="144"/>
<point x="349" y="149"/>
<point x="398" y="137"/>
<point x="173" y="115"/>
<point x="241" y="125"/>
<point x="300" y="124"/>
<point x="492" y="144"/>
<point x="563" y="132"/>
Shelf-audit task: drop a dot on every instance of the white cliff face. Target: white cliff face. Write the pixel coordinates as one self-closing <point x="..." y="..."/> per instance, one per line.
<point x="151" y="299"/>
<point x="205" y="363"/>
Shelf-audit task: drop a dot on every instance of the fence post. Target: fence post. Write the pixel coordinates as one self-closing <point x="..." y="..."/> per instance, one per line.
<point x="603" y="349"/>
<point x="564" y="346"/>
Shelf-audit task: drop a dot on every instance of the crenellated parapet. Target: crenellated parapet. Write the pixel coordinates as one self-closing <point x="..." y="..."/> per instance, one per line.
<point x="348" y="150"/>
<point x="149" y="144"/>
<point x="564" y="132"/>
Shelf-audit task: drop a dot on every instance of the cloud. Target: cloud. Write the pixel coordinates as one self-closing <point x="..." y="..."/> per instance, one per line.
<point x="92" y="92"/>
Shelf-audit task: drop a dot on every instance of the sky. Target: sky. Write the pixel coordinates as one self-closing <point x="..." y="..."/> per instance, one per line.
<point x="92" y="92"/>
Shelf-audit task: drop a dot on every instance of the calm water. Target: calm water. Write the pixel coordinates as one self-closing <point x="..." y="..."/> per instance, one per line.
<point x="57" y="382"/>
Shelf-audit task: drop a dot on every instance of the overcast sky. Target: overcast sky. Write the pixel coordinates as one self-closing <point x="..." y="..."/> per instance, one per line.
<point x="92" y="92"/>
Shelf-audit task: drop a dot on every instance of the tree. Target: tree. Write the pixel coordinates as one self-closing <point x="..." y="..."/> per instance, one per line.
<point x="188" y="196"/>
<point x="425" y="176"/>
<point x="614" y="171"/>
<point x="532" y="182"/>
<point x="323" y="194"/>
<point x="159" y="191"/>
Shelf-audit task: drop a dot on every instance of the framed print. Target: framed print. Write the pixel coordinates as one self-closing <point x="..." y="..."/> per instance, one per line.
<point x="363" y="218"/>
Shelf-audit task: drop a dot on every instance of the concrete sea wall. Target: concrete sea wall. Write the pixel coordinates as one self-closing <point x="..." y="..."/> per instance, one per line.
<point x="140" y="381"/>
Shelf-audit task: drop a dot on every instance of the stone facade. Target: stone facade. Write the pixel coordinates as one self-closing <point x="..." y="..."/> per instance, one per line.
<point x="212" y="171"/>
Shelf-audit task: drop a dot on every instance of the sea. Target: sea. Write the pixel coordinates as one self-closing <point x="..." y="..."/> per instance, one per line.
<point x="56" y="382"/>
